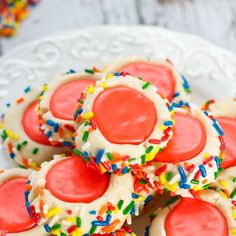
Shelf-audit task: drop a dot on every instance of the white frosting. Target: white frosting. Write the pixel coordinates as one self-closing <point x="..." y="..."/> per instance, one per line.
<point x="158" y="224"/>
<point x="12" y="173"/>
<point x="120" y="187"/>
<point x="211" y="148"/>
<point x="45" y="105"/>
<point x="183" y="95"/>
<point x="13" y="124"/>
<point x="97" y="141"/>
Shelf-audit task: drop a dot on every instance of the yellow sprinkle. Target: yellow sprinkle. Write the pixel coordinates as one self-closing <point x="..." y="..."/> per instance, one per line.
<point x="223" y="183"/>
<point x="172" y="187"/>
<point x="71" y="219"/>
<point x="34" y="165"/>
<point x="40" y="98"/>
<point x="163" y="179"/>
<point x="88" y="115"/>
<point x="55" y="232"/>
<point x="162" y="127"/>
<point x="90" y="89"/>
<point x="206" y="155"/>
<point x="103" y="85"/>
<point x="172" y="113"/>
<point x="234" y="214"/>
<point x="53" y="212"/>
<point x="223" y="194"/>
<point x="45" y="87"/>
<point x="133" y="234"/>
<point x="77" y="232"/>
<point x="233" y="231"/>
<point x="1" y="125"/>
<point x="197" y="188"/>
<point x="11" y="135"/>
<point x="102" y="168"/>
<point x="109" y="76"/>
<point x="116" y="210"/>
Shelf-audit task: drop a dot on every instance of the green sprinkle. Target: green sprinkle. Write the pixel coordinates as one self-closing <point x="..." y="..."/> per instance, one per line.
<point x="140" y="78"/>
<point x="128" y="208"/>
<point x="55" y="227"/>
<point x="232" y="195"/>
<point x="77" y="152"/>
<point x="63" y="234"/>
<point x="89" y="71"/>
<point x="78" y="221"/>
<point x="142" y="181"/>
<point x="234" y="179"/>
<point x="132" y="159"/>
<point x="193" y="181"/>
<point x="18" y="147"/>
<point x="24" y="143"/>
<point x="206" y="186"/>
<point x="4" y="135"/>
<point x="21" y="166"/>
<point x="108" y="212"/>
<point x="35" y="151"/>
<point x="149" y="149"/>
<point x="216" y="174"/>
<point x="169" y="176"/>
<point x="92" y="230"/>
<point x="221" y="169"/>
<point x="109" y="156"/>
<point x="86" y="123"/>
<point x="143" y="158"/>
<point x="171" y="200"/>
<point x="160" y="150"/>
<point x="85" y="136"/>
<point x="120" y="204"/>
<point x="146" y="85"/>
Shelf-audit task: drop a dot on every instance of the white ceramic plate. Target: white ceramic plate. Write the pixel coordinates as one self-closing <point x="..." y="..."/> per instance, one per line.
<point x="210" y="70"/>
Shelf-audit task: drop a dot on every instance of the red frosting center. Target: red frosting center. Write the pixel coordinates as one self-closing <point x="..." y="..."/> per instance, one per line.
<point x="159" y="75"/>
<point x="194" y="217"/>
<point x="229" y="127"/>
<point x="14" y="217"/>
<point x="31" y="125"/>
<point x="64" y="100"/>
<point x="72" y="180"/>
<point x="124" y="115"/>
<point x="188" y="141"/>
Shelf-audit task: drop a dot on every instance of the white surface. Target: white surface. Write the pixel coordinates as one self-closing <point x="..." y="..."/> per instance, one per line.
<point x="211" y="19"/>
<point x="211" y="71"/>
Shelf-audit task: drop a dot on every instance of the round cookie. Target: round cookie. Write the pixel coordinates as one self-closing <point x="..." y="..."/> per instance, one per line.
<point x="122" y="122"/>
<point x="162" y="74"/>
<point x="14" y="218"/>
<point x="26" y="143"/>
<point x="225" y="112"/>
<point x="211" y="214"/>
<point x="80" y="200"/>
<point x="58" y="102"/>
<point x="191" y="160"/>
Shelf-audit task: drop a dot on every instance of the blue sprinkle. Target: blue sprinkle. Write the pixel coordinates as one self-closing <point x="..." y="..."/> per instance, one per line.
<point x="176" y="105"/>
<point x="80" y="111"/>
<point x="168" y="123"/>
<point x="12" y="155"/>
<point x="114" y="167"/>
<point x="148" y="199"/>
<point x="49" y="134"/>
<point x="71" y="71"/>
<point x="184" y="185"/>
<point x="206" y="113"/>
<point x="124" y="170"/>
<point x="185" y="84"/>
<point x="170" y="108"/>
<point x="26" y="196"/>
<point x="147" y="231"/>
<point x="100" y="223"/>
<point x="47" y="228"/>
<point x="67" y="144"/>
<point x="117" y="74"/>
<point x="108" y="218"/>
<point x="86" y="234"/>
<point x="50" y="122"/>
<point x="93" y="212"/>
<point x="203" y="170"/>
<point x="85" y="154"/>
<point x="176" y="94"/>
<point x="217" y="160"/>
<point x="56" y="127"/>
<point x="182" y="174"/>
<point x="8" y="104"/>
<point x="135" y="195"/>
<point x="27" y="89"/>
<point x="132" y="212"/>
<point x="27" y="204"/>
<point x="99" y="156"/>
<point x="218" y="129"/>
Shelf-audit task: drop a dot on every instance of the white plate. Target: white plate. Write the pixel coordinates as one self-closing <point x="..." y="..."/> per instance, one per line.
<point x="210" y="70"/>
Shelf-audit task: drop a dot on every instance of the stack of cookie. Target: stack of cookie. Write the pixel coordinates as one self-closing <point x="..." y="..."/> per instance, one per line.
<point x="104" y="145"/>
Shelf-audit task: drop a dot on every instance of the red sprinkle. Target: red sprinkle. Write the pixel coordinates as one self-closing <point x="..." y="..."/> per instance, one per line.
<point x="154" y="141"/>
<point x="160" y="170"/>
